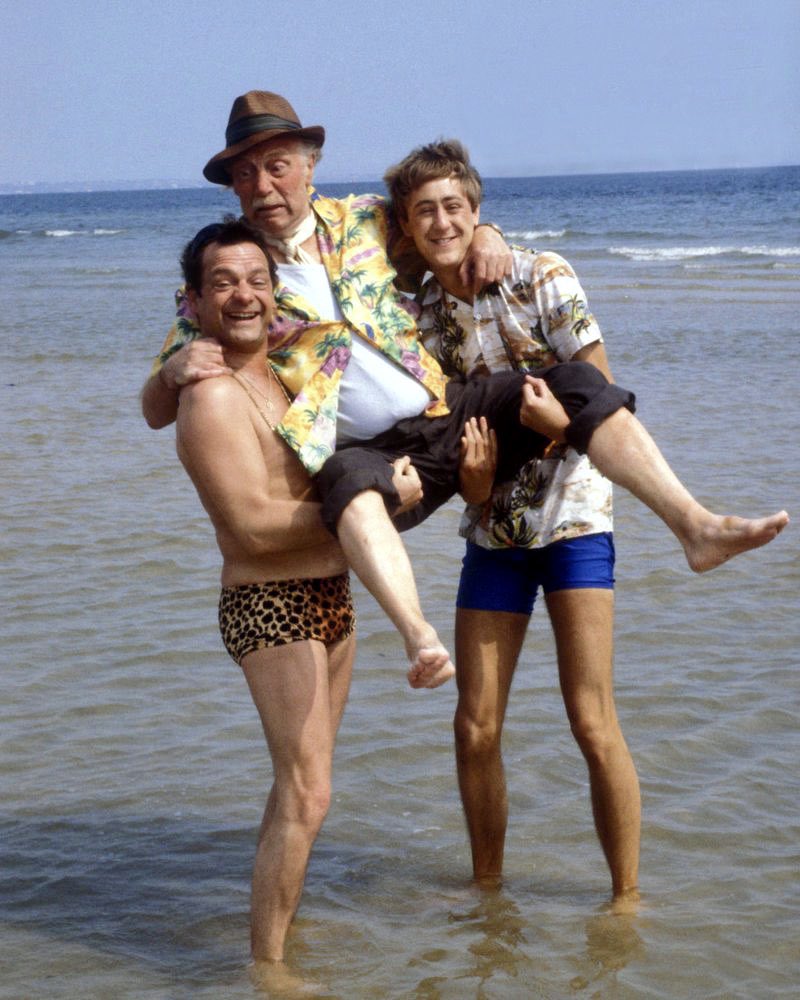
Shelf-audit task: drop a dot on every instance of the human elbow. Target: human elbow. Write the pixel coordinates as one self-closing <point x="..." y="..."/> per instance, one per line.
<point x="156" y="415"/>
<point x="155" y="421"/>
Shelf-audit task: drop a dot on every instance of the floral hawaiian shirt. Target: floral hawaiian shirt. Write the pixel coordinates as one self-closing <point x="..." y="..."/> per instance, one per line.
<point x="536" y="318"/>
<point x="309" y="355"/>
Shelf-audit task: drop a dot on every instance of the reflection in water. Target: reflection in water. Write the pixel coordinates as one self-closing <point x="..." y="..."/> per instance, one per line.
<point x="612" y="941"/>
<point x="504" y="953"/>
<point x="495" y="930"/>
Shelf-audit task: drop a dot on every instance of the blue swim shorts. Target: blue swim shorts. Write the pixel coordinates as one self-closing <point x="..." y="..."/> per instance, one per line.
<point x="508" y="579"/>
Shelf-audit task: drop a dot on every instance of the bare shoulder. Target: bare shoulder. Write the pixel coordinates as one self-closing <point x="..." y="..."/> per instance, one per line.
<point x="211" y="391"/>
<point x="210" y="397"/>
<point x="212" y="406"/>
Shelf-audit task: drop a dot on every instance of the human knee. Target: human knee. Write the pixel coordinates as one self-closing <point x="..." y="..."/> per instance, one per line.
<point x="575" y="382"/>
<point x="364" y="503"/>
<point x="352" y="480"/>
<point x="476" y="736"/>
<point x="588" y="397"/>
<point x="317" y="802"/>
<point x="306" y="804"/>
<point x="598" y="737"/>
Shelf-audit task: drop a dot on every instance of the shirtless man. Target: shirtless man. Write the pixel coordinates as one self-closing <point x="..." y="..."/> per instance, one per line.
<point x="285" y="610"/>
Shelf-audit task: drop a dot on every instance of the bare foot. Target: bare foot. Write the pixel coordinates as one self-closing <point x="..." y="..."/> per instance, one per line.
<point x="488" y="882"/>
<point x="430" y="667"/>
<point x="627" y="902"/>
<point x="541" y="411"/>
<point x="278" y="980"/>
<point x="724" y="537"/>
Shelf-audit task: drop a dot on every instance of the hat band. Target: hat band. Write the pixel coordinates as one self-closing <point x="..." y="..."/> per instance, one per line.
<point x="245" y="127"/>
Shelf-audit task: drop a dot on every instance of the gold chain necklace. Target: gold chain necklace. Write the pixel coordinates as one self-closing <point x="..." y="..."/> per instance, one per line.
<point x="247" y="384"/>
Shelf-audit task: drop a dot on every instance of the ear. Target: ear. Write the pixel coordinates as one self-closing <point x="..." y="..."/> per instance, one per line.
<point x="192" y="296"/>
<point x="476" y="214"/>
<point x="403" y="223"/>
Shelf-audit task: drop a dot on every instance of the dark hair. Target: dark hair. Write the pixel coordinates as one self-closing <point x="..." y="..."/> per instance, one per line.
<point x="444" y="158"/>
<point x="226" y="233"/>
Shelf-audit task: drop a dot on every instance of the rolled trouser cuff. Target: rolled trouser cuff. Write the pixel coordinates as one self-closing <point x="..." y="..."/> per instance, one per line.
<point x="346" y="474"/>
<point x="598" y="409"/>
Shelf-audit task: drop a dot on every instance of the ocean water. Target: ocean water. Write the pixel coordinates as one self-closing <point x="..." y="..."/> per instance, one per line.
<point x="133" y="770"/>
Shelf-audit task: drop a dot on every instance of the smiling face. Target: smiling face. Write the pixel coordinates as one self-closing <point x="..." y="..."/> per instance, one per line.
<point x="271" y="181"/>
<point x="441" y="221"/>
<point x="235" y="303"/>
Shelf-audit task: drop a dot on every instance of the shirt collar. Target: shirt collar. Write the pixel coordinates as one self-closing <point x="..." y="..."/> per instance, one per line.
<point x="430" y="289"/>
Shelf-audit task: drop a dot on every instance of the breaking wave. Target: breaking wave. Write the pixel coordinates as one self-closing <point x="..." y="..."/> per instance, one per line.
<point x="536" y="234"/>
<point x="79" y="232"/>
<point x="680" y="253"/>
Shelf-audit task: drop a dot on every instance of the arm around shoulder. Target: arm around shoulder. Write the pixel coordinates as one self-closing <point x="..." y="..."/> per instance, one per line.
<point x="194" y="362"/>
<point x="159" y="401"/>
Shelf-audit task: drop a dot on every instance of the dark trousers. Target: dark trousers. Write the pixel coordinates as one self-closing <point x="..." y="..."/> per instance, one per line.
<point x="434" y="443"/>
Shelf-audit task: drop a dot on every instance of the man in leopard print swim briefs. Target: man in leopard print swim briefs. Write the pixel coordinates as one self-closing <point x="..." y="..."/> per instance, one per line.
<point x="286" y="614"/>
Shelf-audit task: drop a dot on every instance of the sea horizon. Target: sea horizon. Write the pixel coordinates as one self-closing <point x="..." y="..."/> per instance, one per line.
<point x="188" y="184"/>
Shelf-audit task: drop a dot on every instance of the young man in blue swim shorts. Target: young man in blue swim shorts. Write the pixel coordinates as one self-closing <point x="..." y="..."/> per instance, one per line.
<point x="549" y="526"/>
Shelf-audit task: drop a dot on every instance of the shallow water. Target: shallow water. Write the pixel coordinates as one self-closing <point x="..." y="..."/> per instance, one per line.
<point x="133" y="770"/>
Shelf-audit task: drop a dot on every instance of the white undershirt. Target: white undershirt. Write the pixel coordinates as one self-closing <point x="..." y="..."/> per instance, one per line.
<point x="374" y="392"/>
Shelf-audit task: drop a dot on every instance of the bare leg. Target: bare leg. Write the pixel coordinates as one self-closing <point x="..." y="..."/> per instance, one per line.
<point x="487" y="647"/>
<point x="583" y="627"/>
<point x="340" y="663"/>
<point x="299" y="691"/>
<point x="624" y="452"/>
<point x="379" y="559"/>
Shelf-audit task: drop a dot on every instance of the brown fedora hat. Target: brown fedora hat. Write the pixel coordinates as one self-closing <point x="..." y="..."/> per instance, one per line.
<point x="255" y="117"/>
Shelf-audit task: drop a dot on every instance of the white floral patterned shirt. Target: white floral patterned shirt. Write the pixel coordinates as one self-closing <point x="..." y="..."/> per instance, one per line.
<point x="537" y="317"/>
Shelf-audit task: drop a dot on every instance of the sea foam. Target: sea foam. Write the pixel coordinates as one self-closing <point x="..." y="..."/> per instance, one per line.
<point x="687" y="253"/>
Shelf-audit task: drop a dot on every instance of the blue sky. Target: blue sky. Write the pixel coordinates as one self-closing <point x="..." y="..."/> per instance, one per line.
<point x="124" y="91"/>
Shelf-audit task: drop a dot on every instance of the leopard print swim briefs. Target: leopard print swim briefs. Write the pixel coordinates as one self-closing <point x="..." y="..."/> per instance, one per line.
<point x="257" y="615"/>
